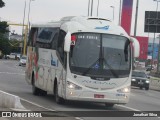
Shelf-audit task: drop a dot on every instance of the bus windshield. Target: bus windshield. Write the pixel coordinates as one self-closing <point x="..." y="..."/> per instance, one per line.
<point x="100" y="55"/>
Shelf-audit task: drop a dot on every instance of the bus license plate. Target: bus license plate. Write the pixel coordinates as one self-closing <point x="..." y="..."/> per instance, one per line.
<point x="98" y="96"/>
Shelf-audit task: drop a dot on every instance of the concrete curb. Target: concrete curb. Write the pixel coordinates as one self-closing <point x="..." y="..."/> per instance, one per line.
<point x="10" y="101"/>
<point x="155" y="84"/>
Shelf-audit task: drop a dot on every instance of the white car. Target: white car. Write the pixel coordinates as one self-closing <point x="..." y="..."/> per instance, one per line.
<point x="22" y="61"/>
<point x="12" y="56"/>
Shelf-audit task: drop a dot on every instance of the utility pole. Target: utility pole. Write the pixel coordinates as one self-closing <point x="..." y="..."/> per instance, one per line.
<point x="88" y="6"/>
<point x="158" y="54"/>
<point x="23" y="24"/>
<point x="120" y="12"/>
<point x="91" y="7"/>
<point x="155" y="38"/>
<point x="136" y="17"/>
<point x="97" y="8"/>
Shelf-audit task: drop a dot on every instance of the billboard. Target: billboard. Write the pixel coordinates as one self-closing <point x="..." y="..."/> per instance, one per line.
<point x="143" y="41"/>
<point x="152" y="22"/>
<point x="126" y="15"/>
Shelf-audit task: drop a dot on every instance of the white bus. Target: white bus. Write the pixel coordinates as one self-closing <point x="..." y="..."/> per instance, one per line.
<point x="81" y="59"/>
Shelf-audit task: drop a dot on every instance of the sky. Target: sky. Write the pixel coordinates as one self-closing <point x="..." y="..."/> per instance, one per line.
<point x="50" y="10"/>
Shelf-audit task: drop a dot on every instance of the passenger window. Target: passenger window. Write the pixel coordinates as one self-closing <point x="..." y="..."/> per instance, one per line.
<point x="47" y="38"/>
<point x="32" y="37"/>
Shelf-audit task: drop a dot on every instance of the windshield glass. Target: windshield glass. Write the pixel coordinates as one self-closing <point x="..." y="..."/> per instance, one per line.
<point x="23" y="57"/>
<point x="100" y="55"/>
<point x="138" y="74"/>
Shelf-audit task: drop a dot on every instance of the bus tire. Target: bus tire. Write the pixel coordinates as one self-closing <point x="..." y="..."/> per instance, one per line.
<point x="109" y="105"/>
<point x="58" y="99"/>
<point x="35" y="90"/>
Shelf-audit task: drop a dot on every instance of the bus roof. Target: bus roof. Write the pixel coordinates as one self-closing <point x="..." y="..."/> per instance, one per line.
<point x="86" y="24"/>
<point x="48" y="24"/>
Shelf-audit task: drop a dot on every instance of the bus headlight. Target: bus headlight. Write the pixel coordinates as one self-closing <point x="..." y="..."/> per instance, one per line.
<point x="71" y="85"/>
<point x="124" y="90"/>
<point x="147" y="81"/>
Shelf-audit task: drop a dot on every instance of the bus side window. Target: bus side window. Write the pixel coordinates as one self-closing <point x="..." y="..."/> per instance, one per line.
<point x="60" y="46"/>
<point x="54" y="38"/>
<point x="54" y="41"/>
<point x="47" y="38"/>
<point x="32" y="37"/>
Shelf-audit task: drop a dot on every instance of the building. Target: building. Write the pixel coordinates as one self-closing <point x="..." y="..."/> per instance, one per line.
<point x="16" y="37"/>
<point x="146" y="43"/>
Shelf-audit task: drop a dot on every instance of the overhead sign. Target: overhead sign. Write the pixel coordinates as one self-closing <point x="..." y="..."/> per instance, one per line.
<point x="152" y="22"/>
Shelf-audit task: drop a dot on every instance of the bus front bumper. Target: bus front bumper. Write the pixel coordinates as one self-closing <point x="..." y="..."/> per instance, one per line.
<point x="102" y="97"/>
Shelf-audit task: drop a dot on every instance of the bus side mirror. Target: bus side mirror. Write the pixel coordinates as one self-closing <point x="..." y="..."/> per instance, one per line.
<point x="136" y="47"/>
<point x="67" y="42"/>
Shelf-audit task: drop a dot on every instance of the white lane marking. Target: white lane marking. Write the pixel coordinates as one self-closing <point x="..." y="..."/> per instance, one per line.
<point x="11" y="73"/>
<point x="128" y="107"/>
<point x="78" y="118"/>
<point x="36" y="104"/>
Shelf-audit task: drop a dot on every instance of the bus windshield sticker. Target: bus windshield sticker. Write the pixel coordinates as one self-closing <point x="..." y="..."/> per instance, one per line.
<point x="73" y="42"/>
<point x="103" y="28"/>
<point x="96" y="66"/>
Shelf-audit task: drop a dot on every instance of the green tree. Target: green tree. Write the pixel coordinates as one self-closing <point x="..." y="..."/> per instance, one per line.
<point x="4" y="44"/>
<point x="2" y="4"/>
<point x="14" y="45"/>
<point x="3" y="26"/>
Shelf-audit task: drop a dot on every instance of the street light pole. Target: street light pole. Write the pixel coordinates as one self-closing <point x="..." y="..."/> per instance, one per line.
<point x="88" y="6"/>
<point x="23" y="24"/>
<point x="154" y="40"/>
<point x="136" y="17"/>
<point x="120" y="12"/>
<point x="29" y="13"/>
<point x="91" y="7"/>
<point x="113" y="11"/>
<point x="97" y="8"/>
<point x="158" y="54"/>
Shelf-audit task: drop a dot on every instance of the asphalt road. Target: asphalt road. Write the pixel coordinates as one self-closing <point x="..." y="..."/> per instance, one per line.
<point x="12" y="81"/>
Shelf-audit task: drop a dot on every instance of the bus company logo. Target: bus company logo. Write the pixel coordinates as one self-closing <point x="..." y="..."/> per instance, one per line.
<point x="21" y="114"/>
<point x="54" y="62"/>
<point x="98" y="82"/>
<point x="103" y="28"/>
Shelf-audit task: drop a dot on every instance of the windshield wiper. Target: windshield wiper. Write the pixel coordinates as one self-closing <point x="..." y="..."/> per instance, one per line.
<point x="84" y="73"/>
<point x="111" y="69"/>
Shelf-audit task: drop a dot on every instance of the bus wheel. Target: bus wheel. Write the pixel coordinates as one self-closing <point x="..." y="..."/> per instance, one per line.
<point x="35" y="90"/>
<point x="58" y="99"/>
<point x="109" y="105"/>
